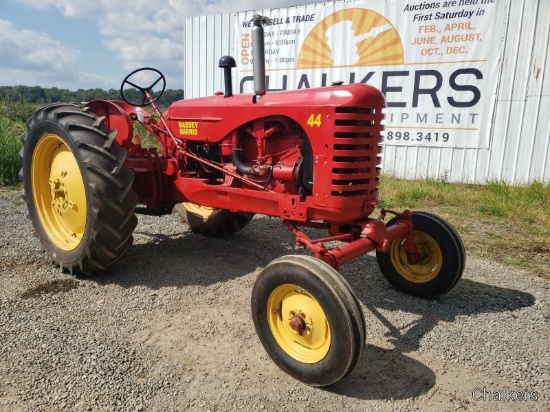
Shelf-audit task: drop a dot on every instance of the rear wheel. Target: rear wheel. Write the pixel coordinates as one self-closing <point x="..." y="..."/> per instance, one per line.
<point x="308" y="319"/>
<point x="77" y="188"/>
<point x="211" y="221"/>
<point x="441" y="263"/>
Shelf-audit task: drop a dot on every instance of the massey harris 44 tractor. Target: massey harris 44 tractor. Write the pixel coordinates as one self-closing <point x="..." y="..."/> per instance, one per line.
<point x="309" y="157"/>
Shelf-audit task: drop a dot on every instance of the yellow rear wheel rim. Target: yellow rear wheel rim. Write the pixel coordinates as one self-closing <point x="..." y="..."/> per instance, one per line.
<point x="290" y="303"/>
<point x="58" y="192"/>
<point x="204" y="212"/>
<point x="429" y="264"/>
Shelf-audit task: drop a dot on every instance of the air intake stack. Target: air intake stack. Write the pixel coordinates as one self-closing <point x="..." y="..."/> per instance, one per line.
<point x="227" y="63"/>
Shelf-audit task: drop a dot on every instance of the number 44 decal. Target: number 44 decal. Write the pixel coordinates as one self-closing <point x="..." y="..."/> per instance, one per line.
<point x="314" y="120"/>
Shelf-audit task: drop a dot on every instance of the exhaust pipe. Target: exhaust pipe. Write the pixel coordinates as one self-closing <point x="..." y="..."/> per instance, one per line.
<point x="258" y="53"/>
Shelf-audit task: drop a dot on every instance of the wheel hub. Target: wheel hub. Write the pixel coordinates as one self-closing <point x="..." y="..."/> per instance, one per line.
<point x="430" y="258"/>
<point x="60" y="197"/>
<point x="299" y="324"/>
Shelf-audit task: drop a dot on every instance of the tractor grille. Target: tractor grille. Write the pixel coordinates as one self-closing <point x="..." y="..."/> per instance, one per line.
<point x="355" y="161"/>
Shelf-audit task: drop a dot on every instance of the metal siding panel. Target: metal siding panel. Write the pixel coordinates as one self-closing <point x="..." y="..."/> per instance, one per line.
<point x="187" y="40"/>
<point x="195" y="59"/>
<point x="217" y="53"/>
<point x="433" y="169"/>
<point x="502" y="142"/>
<point x="197" y="39"/>
<point x="512" y="49"/>
<point x="522" y="148"/>
<point x="195" y="63"/>
<point x="526" y="34"/>
<point x="409" y="168"/>
<point x="543" y="129"/>
<point x="506" y="129"/>
<point x="527" y="142"/>
<point x="540" y="164"/>
<point x="539" y="57"/>
<point x="512" y="141"/>
<point x="388" y="161"/>
<point x="469" y="171"/>
<point x="410" y="162"/>
<point x="542" y="156"/>
<point x="538" y="84"/>
<point x="203" y="56"/>
<point x="400" y="159"/>
<point x="209" y="49"/>
<point x="519" y="156"/>
<point x="422" y="162"/>
<point x="457" y="165"/>
<point x="545" y="176"/>
<point x="526" y="133"/>
<point x="481" y="168"/>
<point x="191" y="69"/>
<point x="232" y="39"/>
<point x="445" y="163"/>
<point x="499" y="140"/>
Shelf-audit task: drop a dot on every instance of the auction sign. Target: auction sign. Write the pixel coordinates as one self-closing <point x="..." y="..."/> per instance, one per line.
<point x="437" y="62"/>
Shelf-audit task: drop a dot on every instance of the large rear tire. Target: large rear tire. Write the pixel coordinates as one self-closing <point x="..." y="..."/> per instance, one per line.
<point x="308" y="319"/>
<point x="210" y="221"/>
<point x="78" y="188"/>
<point x="442" y="258"/>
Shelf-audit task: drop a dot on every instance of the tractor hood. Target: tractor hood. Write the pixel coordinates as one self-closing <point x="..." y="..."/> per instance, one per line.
<point x="209" y="119"/>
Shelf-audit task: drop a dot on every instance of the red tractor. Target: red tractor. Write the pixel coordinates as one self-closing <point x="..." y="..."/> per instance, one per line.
<point x="310" y="157"/>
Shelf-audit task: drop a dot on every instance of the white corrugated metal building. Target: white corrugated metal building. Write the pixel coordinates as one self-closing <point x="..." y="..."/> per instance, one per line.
<point x="518" y="150"/>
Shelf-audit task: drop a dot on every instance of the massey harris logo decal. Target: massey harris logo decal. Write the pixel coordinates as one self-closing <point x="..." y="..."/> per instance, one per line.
<point x="188" y="128"/>
<point x="351" y="37"/>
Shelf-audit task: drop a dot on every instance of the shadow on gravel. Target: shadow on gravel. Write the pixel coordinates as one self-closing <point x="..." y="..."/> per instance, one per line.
<point x="190" y="259"/>
<point x="386" y="374"/>
<point x="467" y="298"/>
<point x="390" y="374"/>
<point x="50" y="288"/>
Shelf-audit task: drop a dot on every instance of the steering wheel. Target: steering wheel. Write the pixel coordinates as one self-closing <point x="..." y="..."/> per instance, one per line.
<point x="146" y="94"/>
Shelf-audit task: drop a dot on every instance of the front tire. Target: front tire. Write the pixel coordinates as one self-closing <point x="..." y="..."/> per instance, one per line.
<point x="308" y="319"/>
<point x="442" y="258"/>
<point x="78" y="188"/>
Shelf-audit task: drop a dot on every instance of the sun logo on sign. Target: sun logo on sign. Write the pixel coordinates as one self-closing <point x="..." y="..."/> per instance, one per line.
<point x="352" y="37"/>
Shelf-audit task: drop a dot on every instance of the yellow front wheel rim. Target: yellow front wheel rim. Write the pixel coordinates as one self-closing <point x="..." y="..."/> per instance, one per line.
<point x="429" y="264"/>
<point x="58" y="192"/>
<point x="298" y="323"/>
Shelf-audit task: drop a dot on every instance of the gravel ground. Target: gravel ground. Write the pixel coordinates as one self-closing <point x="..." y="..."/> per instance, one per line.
<point x="169" y="328"/>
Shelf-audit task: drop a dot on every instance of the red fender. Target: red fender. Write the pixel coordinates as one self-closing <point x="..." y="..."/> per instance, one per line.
<point x="118" y="116"/>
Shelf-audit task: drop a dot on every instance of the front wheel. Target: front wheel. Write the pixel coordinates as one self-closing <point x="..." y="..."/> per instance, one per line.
<point x="77" y="188"/>
<point x="308" y="319"/>
<point x="441" y="263"/>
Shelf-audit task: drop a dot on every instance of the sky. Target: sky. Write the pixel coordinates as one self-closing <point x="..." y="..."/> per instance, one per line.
<point x="88" y="44"/>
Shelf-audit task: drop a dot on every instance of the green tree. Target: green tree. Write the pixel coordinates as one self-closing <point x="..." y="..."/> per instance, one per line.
<point x="41" y="96"/>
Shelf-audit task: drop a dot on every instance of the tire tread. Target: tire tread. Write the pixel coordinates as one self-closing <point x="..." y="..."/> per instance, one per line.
<point x="107" y="179"/>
